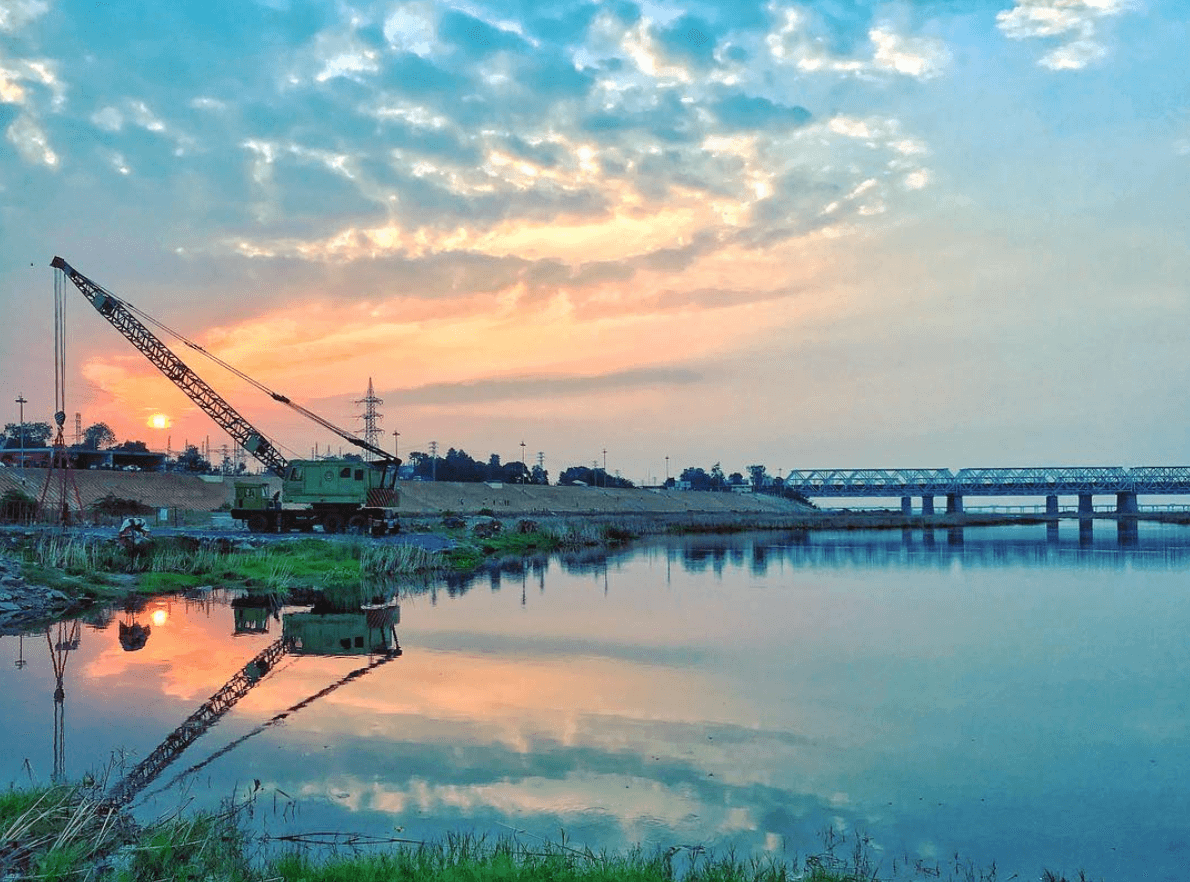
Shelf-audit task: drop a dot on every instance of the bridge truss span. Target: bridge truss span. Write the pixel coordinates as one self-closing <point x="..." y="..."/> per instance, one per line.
<point x="1048" y="481"/>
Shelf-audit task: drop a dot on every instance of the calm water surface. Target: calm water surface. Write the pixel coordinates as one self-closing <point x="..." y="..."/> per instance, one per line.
<point x="1005" y="694"/>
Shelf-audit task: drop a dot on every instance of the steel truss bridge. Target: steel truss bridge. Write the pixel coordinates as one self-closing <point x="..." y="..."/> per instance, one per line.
<point x="1084" y="482"/>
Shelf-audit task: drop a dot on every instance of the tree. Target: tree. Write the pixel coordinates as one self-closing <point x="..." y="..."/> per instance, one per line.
<point x="538" y="475"/>
<point x="133" y="447"/>
<point x="421" y="463"/>
<point x="759" y="476"/>
<point x="98" y="436"/>
<point x="191" y="460"/>
<point x="515" y="472"/>
<point x="458" y="466"/>
<point x="592" y="477"/>
<point x="577" y="475"/>
<point x="35" y="435"/>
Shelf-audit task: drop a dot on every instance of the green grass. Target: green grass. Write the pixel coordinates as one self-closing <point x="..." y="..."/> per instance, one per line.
<point x="49" y="832"/>
<point x="99" y="569"/>
<point x="67" y="833"/>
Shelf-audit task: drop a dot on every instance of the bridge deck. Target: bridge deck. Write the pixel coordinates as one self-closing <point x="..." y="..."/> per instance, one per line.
<point x="1052" y="481"/>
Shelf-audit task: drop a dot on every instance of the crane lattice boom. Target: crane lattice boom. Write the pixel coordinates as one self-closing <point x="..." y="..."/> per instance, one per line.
<point x="196" y="724"/>
<point x="213" y="404"/>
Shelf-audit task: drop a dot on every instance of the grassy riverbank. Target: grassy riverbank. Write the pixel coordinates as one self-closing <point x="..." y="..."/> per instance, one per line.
<point x="61" y="833"/>
<point x="91" y="568"/>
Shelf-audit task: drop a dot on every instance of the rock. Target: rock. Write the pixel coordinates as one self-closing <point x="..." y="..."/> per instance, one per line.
<point x="486" y="529"/>
<point x="9" y="607"/>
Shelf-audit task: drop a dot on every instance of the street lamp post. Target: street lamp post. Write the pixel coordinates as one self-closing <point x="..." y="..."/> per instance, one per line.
<point x="523" y="467"/>
<point x="397" y="443"/>
<point x="21" y="402"/>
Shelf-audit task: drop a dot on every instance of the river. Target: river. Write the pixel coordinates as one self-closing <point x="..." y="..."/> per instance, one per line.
<point x="1008" y="694"/>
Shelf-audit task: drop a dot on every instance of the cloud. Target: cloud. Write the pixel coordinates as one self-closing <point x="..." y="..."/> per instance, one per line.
<point x="15" y="14"/>
<point x="798" y="40"/>
<point x="919" y="57"/>
<point x="30" y="141"/>
<point x="412" y="27"/>
<point x="1073" y="22"/>
<point x="31" y="72"/>
<point x="542" y="386"/>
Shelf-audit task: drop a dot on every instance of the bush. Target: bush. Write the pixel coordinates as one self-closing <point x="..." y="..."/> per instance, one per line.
<point x="117" y="506"/>
<point x="17" y="506"/>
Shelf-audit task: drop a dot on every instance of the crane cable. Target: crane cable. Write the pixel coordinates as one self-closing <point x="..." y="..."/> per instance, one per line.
<point x="276" y="396"/>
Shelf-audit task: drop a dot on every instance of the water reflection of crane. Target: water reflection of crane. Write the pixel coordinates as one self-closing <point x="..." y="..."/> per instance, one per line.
<point x="60" y="649"/>
<point x="133" y="635"/>
<point x="370" y="631"/>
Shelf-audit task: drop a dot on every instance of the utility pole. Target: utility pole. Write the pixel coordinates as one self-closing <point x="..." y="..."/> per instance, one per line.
<point x="21" y="402"/>
<point x="371" y="417"/>
<point x="523" y="467"/>
<point x="433" y="460"/>
<point x="605" y="467"/>
<point x="667" y="470"/>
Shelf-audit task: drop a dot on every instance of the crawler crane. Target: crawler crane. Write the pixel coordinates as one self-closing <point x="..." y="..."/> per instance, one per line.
<point x="336" y="494"/>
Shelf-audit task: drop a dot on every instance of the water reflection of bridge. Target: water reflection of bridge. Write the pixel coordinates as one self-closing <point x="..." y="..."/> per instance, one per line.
<point x="939" y="549"/>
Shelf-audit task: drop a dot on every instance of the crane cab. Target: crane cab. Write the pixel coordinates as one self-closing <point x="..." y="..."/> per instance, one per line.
<point x="340" y="482"/>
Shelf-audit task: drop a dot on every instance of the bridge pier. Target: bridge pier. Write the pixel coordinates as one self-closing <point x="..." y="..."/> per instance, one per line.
<point x="1086" y="533"/>
<point x="1086" y="505"/>
<point x="927" y="505"/>
<point x="954" y="503"/>
<point x="1051" y="506"/>
<point x="1126" y="503"/>
<point x="906" y="505"/>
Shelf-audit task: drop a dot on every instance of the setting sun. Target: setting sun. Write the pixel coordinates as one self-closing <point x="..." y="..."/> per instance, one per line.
<point x="158" y="421"/>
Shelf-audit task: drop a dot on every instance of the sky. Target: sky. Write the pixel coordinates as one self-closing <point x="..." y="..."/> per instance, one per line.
<point x="834" y="234"/>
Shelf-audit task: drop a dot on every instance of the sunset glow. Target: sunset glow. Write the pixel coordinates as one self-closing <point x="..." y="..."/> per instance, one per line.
<point x="798" y="234"/>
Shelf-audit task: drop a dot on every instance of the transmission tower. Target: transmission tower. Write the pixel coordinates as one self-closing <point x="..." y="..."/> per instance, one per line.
<point x="371" y="417"/>
<point x="78" y="428"/>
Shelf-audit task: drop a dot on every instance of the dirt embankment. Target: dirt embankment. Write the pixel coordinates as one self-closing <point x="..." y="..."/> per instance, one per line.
<point x="156" y="490"/>
<point x="208" y="493"/>
<point x="419" y="497"/>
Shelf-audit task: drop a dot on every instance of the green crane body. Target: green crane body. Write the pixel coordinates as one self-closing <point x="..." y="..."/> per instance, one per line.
<point x="335" y="494"/>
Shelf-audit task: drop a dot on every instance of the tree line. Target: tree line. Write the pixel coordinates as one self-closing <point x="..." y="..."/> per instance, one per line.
<point x="456" y="465"/>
